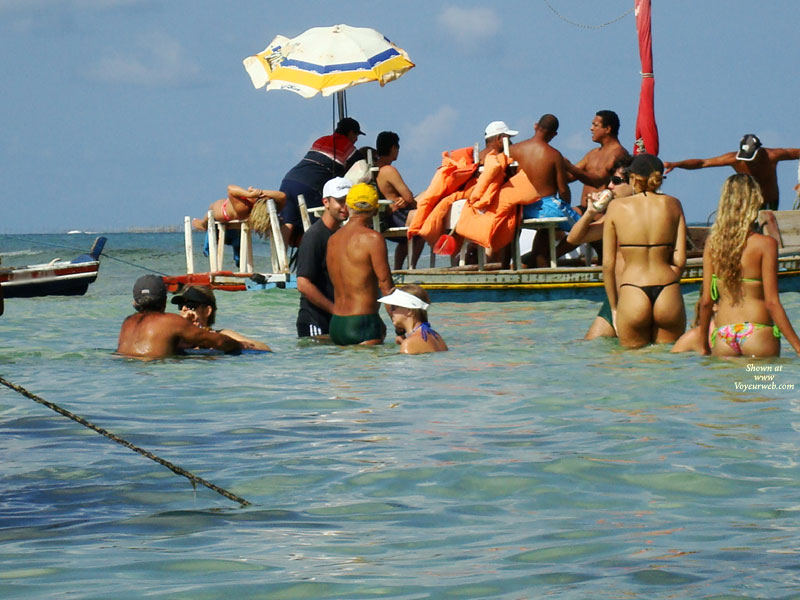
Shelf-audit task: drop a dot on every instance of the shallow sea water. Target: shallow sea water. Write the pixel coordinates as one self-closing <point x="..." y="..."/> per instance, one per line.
<point x="523" y="463"/>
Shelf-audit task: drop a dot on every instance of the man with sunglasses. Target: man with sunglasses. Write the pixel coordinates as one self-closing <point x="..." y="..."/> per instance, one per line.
<point x="198" y="305"/>
<point x="151" y="333"/>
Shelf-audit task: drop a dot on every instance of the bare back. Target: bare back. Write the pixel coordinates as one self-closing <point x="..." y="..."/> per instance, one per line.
<point x="764" y="171"/>
<point x="152" y="335"/>
<point x="358" y="265"/>
<point x="752" y="306"/>
<point x="543" y="165"/>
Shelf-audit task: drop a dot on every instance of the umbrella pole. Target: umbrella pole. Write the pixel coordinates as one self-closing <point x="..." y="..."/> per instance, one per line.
<point x="341" y="102"/>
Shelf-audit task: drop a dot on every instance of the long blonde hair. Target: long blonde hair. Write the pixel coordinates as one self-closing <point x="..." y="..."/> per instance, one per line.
<point x="738" y="208"/>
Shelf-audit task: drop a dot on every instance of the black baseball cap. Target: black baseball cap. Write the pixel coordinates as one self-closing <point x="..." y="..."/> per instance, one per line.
<point x="748" y="147"/>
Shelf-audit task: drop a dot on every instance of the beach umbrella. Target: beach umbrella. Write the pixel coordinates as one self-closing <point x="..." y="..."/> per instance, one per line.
<point x="327" y="60"/>
<point x="646" y="129"/>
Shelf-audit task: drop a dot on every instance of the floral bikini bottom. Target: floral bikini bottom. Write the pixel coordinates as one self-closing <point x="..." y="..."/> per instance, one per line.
<point x="735" y="334"/>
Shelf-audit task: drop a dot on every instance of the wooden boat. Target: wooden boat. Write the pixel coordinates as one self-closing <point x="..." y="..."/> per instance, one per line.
<point x="56" y="278"/>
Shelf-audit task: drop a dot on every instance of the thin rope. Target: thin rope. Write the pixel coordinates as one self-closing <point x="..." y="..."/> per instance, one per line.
<point x="39" y="242"/>
<point x="582" y="25"/>
<point x="174" y="468"/>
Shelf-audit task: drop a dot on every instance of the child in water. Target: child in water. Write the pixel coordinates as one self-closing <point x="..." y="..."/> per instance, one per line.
<point x="408" y="306"/>
<point x="237" y="205"/>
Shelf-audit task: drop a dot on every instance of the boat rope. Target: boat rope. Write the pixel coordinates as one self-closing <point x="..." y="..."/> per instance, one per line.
<point x="172" y="467"/>
<point x="584" y="26"/>
<point x="74" y="249"/>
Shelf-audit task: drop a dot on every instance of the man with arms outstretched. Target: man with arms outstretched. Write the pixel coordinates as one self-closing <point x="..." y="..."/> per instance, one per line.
<point x="753" y="159"/>
<point x="358" y="264"/>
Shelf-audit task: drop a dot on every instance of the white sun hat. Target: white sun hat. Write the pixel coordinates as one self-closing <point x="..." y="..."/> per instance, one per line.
<point x="404" y="299"/>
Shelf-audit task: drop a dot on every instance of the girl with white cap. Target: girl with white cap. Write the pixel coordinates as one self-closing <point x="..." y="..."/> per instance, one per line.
<point x="408" y="306"/>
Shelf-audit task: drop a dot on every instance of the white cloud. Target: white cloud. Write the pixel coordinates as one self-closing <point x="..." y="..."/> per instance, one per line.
<point x="469" y="24"/>
<point x="158" y="60"/>
<point x="431" y="130"/>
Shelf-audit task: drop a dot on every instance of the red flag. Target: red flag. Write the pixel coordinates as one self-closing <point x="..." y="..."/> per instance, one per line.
<point x="646" y="129"/>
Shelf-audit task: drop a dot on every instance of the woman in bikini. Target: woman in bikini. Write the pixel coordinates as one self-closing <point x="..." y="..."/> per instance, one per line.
<point x="408" y="306"/>
<point x="237" y="205"/>
<point x="649" y="231"/>
<point x="740" y="274"/>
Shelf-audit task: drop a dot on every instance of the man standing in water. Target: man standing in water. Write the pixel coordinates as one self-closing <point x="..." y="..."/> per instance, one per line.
<point x="151" y="333"/>
<point x="358" y="264"/>
<point x="313" y="281"/>
<point x="753" y="159"/>
<point x="596" y="167"/>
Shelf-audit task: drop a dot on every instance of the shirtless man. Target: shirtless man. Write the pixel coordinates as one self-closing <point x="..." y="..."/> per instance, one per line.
<point x="545" y="167"/>
<point x="392" y="187"/>
<point x="358" y="264"/>
<point x="151" y="333"/>
<point x="595" y="169"/>
<point x="494" y="134"/>
<point x="753" y="159"/>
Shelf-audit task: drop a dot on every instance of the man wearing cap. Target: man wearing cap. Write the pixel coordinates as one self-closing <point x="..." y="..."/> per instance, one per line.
<point x="545" y="168"/>
<point x="495" y="133"/>
<point x="151" y="333"/>
<point x="358" y="264"/>
<point x="330" y="156"/>
<point x="313" y="281"/>
<point x="753" y="159"/>
<point x="596" y="167"/>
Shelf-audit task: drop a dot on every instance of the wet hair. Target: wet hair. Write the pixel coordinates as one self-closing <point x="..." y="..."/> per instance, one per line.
<point x="386" y="141"/>
<point x="739" y="203"/>
<point x="610" y="119"/>
<point x="419" y="292"/>
<point x="548" y="122"/>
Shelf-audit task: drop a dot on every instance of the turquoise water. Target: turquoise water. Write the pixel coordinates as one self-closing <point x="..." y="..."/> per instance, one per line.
<point x="522" y="464"/>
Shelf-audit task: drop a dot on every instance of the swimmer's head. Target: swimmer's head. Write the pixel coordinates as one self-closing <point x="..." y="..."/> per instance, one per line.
<point x="362" y="198"/>
<point x="149" y="293"/>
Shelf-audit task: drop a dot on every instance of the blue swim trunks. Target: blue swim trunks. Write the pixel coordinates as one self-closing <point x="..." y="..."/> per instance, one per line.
<point x="551" y="206"/>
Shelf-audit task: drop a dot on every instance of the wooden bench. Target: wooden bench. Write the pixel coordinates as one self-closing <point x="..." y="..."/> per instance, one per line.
<point x="784" y="226"/>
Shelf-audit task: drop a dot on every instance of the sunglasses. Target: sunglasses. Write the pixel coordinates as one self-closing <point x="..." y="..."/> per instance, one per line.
<point x="617" y="180"/>
<point x="190" y="305"/>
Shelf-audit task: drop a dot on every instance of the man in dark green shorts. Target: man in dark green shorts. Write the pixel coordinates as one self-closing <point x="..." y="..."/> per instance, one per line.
<point x="358" y="265"/>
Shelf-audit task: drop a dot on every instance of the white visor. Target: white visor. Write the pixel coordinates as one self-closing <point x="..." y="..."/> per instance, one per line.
<point x="404" y="299"/>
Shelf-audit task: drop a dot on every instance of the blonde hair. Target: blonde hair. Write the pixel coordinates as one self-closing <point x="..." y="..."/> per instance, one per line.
<point x="419" y="292"/>
<point x="738" y="208"/>
<point x="642" y="184"/>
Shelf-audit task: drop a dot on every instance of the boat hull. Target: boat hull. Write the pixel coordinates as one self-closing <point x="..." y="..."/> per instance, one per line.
<point x="56" y="278"/>
<point x="567" y="283"/>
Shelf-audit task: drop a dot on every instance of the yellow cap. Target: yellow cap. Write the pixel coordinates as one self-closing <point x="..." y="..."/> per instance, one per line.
<point x="362" y="197"/>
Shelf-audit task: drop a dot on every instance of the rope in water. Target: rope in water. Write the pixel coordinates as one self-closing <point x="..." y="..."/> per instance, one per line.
<point x="583" y="26"/>
<point x="54" y="245"/>
<point x="174" y="468"/>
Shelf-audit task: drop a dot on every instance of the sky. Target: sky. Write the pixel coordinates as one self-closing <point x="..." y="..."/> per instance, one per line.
<point x="124" y="114"/>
